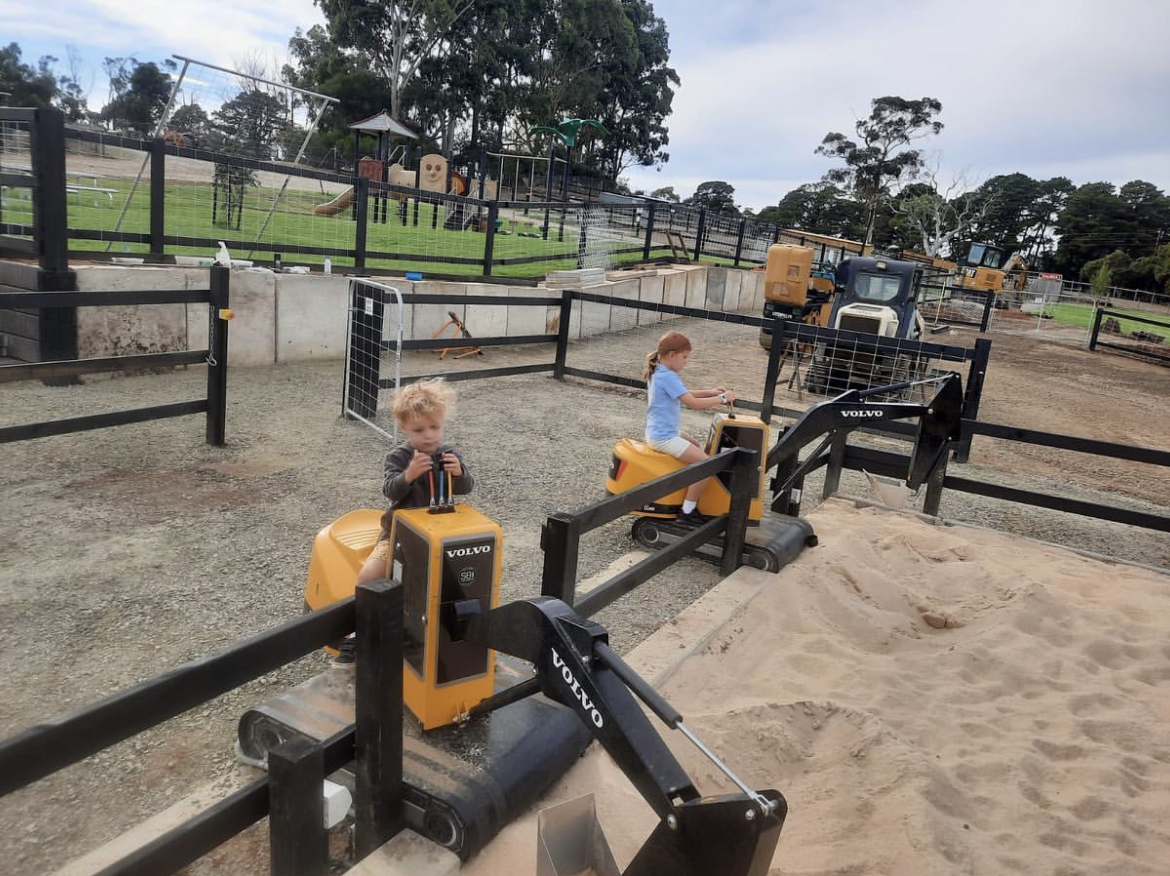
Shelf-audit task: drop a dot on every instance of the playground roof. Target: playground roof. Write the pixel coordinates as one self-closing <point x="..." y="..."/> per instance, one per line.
<point x="384" y="123"/>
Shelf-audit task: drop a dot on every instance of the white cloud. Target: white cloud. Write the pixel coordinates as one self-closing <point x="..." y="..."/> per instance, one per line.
<point x="1045" y="87"/>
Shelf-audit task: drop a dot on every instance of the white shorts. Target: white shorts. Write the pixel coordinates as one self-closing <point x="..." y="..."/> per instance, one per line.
<point x="675" y="446"/>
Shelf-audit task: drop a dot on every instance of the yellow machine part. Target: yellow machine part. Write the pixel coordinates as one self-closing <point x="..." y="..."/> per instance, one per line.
<point x="443" y="560"/>
<point x="339" y="550"/>
<point x="985" y="279"/>
<point x="634" y="463"/>
<point x="787" y="272"/>
<point x="440" y="559"/>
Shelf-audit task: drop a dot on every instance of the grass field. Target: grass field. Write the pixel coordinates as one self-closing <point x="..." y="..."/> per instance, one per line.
<point x="1081" y="315"/>
<point x="422" y="243"/>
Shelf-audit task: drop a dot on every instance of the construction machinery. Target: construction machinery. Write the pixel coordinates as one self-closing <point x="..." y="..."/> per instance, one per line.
<point x="795" y="288"/>
<point x="492" y="731"/>
<point x="770" y="544"/>
<point x="990" y="269"/>
<point x="875" y="297"/>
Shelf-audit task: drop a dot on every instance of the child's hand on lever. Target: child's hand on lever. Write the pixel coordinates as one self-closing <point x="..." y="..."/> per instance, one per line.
<point x="451" y="465"/>
<point x="420" y="464"/>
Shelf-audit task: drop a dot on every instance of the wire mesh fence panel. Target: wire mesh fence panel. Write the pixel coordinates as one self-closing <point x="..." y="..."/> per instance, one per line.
<point x="16" y="190"/>
<point x="373" y="353"/>
<point x="839" y="361"/>
<point x="941" y="304"/>
<point x="108" y="191"/>
<point x="608" y="235"/>
<point x="418" y="230"/>
<point x="720" y="236"/>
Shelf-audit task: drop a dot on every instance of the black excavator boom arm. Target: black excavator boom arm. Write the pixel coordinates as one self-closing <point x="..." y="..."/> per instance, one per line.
<point x="732" y="835"/>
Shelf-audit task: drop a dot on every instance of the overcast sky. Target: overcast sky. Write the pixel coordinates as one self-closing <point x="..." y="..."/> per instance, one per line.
<point x="1076" y="88"/>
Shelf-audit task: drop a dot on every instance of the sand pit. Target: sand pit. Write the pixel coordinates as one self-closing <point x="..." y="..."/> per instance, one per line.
<point x="930" y="699"/>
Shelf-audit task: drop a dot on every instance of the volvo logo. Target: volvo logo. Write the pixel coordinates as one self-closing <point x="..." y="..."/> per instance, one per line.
<point x="469" y="551"/>
<point x="575" y="687"/>
<point x="863" y="415"/>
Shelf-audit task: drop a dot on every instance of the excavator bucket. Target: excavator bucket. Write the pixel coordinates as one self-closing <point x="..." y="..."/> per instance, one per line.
<point x="570" y="841"/>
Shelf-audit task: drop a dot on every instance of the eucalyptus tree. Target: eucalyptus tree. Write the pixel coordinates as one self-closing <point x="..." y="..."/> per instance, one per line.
<point x="881" y="156"/>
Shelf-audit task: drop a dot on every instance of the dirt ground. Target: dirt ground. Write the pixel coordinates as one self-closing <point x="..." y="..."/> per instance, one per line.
<point x="128" y="551"/>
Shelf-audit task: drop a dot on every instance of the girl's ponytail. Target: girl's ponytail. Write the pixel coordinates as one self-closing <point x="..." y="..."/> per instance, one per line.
<point x="651" y="364"/>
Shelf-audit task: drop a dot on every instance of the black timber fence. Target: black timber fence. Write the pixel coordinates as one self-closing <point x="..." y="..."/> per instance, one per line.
<point x="1115" y="331"/>
<point x="214" y="406"/>
<point x="636" y="230"/>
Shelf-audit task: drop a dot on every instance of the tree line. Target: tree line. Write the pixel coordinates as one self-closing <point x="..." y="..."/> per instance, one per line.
<point x="884" y="192"/>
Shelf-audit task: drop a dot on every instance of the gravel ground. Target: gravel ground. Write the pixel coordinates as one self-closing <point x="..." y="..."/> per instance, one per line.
<point x="128" y="551"/>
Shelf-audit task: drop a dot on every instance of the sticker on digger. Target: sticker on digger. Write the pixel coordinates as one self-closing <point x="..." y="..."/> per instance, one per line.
<point x="863" y="415"/>
<point x="575" y="686"/>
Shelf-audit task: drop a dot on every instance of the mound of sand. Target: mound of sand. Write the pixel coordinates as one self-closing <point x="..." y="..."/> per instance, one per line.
<point x="929" y="699"/>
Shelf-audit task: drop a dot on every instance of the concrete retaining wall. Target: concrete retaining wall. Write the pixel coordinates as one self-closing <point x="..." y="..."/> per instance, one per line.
<point x="292" y="317"/>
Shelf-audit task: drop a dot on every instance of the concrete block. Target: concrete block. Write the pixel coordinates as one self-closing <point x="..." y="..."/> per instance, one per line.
<point x="487" y="320"/>
<point x="622" y="318"/>
<point x="732" y="290"/>
<point x="651" y="291"/>
<point x="527" y="319"/>
<point x="594" y="317"/>
<point x="312" y="314"/>
<point x="133" y="329"/>
<point x="252" y="335"/>
<point x="696" y="287"/>
<point x="675" y="292"/>
<point x="716" y="288"/>
<point x="429" y="318"/>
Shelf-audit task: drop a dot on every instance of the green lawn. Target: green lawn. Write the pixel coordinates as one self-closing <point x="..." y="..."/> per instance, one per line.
<point x="265" y="231"/>
<point x="1081" y="315"/>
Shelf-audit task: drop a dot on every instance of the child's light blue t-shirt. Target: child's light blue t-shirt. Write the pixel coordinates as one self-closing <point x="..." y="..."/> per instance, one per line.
<point x="662" y="405"/>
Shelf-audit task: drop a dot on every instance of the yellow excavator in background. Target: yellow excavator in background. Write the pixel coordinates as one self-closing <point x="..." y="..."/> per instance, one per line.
<point x="988" y="268"/>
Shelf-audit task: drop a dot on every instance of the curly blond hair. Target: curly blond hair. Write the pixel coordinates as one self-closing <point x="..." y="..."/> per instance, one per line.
<point x="427" y="398"/>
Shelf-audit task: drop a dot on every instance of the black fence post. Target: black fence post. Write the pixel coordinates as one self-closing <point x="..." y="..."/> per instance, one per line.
<point x="699" y="233"/>
<point x="50" y="211"/>
<point x="649" y="232"/>
<point x="560" y="538"/>
<point x="988" y="308"/>
<point x="772" y="376"/>
<point x="971" y="398"/>
<point x="363" y="358"/>
<point x="743" y="472"/>
<point x="298" y="844"/>
<point x="563" y="334"/>
<point x="378" y="814"/>
<point x="489" y="237"/>
<point x="361" y="194"/>
<point x="1097" y="317"/>
<point x="158" y="196"/>
<point x="739" y="241"/>
<point x="217" y="354"/>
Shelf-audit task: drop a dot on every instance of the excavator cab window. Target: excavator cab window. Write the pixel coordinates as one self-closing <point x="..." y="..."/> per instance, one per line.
<point x="982" y="255"/>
